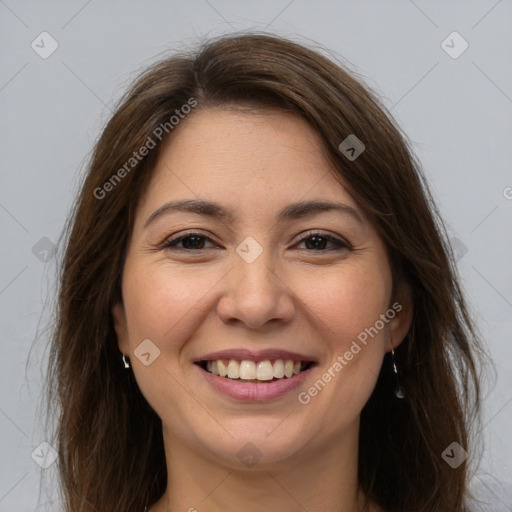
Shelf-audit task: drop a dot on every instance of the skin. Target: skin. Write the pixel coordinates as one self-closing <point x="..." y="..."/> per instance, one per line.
<point x="293" y="296"/>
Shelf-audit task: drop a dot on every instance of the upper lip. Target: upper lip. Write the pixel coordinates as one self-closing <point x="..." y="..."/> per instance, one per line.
<point x="242" y="354"/>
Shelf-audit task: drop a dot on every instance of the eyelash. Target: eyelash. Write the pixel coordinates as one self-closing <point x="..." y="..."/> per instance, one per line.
<point x="172" y="243"/>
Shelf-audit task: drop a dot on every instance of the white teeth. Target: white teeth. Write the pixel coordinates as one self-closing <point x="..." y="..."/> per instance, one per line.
<point x="264" y="371"/>
<point x="247" y="370"/>
<point x="233" y="369"/>
<point x="288" y="368"/>
<point x="223" y="369"/>
<point x="279" y="369"/>
<point x="251" y="370"/>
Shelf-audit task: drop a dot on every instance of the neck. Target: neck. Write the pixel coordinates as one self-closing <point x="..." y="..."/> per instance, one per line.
<point x="314" y="478"/>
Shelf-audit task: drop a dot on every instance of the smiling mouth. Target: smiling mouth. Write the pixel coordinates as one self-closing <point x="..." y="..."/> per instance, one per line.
<point x="255" y="371"/>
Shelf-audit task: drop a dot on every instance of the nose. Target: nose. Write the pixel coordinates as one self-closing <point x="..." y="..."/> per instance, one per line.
<point x="254" y="294"/>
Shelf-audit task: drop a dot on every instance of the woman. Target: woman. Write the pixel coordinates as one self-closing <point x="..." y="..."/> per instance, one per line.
<point x="258" y="309"/>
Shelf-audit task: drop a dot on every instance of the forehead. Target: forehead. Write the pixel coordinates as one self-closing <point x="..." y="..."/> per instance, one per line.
<point x="250" y="160"/>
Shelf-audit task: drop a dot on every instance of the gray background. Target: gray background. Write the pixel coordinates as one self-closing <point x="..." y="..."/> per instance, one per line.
<point x="457" y="111"/>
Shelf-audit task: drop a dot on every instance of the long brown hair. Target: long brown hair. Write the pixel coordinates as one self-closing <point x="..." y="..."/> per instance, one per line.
<point x="109" y="440"/>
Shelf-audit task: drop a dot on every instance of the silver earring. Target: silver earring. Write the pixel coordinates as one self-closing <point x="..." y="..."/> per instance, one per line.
<point x="126" y="364"/>
<point x="399" y="391"/>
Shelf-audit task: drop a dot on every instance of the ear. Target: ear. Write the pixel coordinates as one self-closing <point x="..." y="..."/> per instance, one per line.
<point x="119" y="317"/>
<point x="400" y="324"/>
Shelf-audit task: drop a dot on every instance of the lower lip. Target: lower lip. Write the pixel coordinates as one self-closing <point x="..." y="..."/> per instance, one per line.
<point x="255" y="391"/>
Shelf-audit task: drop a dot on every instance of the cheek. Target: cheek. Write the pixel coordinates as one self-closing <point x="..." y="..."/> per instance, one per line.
<point x="160" y="301"/>
<point x="348" y="302"/>
<point x="348" y="309"/>
<point x="162" y="305"/>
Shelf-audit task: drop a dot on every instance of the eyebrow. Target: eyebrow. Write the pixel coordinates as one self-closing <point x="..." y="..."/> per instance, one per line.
<point x="292" y="211"/>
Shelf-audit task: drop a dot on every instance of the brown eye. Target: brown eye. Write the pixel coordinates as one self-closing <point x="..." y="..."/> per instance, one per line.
<point x="190" y="242"/>
<point x="318" y="242"/>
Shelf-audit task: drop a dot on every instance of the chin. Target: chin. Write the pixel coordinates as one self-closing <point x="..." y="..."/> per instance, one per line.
<point x="256" y="443"/>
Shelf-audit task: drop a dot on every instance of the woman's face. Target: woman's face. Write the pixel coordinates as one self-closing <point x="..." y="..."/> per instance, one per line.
<point x="270" y="280"/>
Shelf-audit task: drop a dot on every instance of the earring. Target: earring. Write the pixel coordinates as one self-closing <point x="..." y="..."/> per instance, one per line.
<point x="126" y="364"/>
<point x="399" y="391"/>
